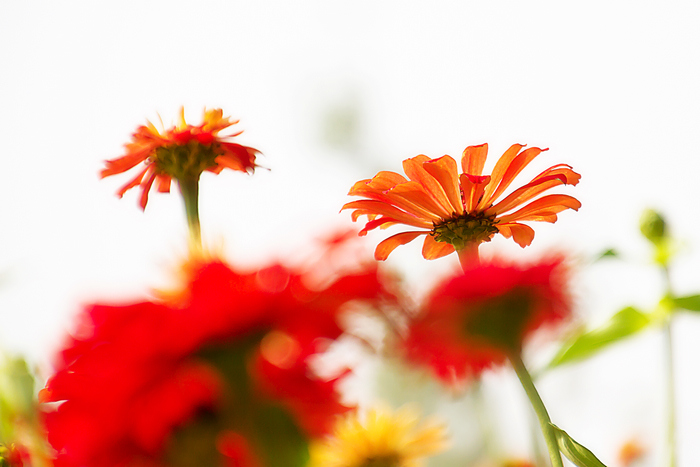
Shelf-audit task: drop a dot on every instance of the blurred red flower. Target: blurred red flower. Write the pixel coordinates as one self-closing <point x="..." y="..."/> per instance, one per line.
<point x="479" y="317"/>
<point x="165" y="383"/>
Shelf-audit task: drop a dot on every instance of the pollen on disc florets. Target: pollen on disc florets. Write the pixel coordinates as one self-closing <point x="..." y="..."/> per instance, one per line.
<point x="186" y="161"/>
<point x="461" y="230"/>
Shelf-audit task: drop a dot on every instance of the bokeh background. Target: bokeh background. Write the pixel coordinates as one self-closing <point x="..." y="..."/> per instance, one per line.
<point x="332" y="92"/>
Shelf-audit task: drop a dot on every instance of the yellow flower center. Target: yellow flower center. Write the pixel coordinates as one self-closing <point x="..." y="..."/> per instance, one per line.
<point x="461" y="230"/>
<point x="185" y="161"/>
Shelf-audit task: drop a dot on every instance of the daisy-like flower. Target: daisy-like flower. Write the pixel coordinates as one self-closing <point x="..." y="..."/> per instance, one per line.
<point x="384" y="439"/>
<point x="457" y="212"/>
<point x="181" y="153"/>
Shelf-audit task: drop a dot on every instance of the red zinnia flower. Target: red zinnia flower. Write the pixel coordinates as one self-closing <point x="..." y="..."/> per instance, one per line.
<point x="456" y="211"/>
<point x="230" y="359"/>
<point x="181" y="153"/>
<point x="482" y="316"/>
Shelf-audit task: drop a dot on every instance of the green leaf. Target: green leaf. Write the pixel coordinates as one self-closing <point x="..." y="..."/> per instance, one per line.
<point x="691" y="302"/>
<point x="609" y="253"/>
<point x="576" y="453"/>
<point x="624" y="323"/>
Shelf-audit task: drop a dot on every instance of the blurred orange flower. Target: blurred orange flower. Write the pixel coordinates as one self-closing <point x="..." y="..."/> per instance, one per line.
<point x="182" y="153"/>
<point x="457" y="212"/>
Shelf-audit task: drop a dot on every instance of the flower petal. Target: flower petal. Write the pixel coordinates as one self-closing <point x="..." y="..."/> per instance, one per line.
<point x="435" y="250"/>
<point x="444" y="170"/>
<point x="472" y="190"/>
<point x="497" y="174"/>
<point x="515" y="167"/>
<point x="414" y="194"/>
<point x="550" y="204"/>
<point x="384" y="209"/>
<point x="146" y="187"/>
<point x="163" y="183"/>
<point x="383" y="222"/>
<point x="134" y="182"/>
<point x="385" y="247"/>
<point x="526" y="193"/>
<point x="474" y="158"/>
<point x="380" y="187"/>
<point x="415" y="171"/>
<point x="522" y="234"/>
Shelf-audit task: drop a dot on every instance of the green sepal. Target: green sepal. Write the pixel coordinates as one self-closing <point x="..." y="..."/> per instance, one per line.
<point x="575" y="452"/>
<point x="621" y="325"/>
<point x="690" y="303"/>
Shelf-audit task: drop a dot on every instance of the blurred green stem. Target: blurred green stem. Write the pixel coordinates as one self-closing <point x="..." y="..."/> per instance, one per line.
<point x="540" y="410"/>
<point x="670" y="379"/>
<point x="189" y="188"/>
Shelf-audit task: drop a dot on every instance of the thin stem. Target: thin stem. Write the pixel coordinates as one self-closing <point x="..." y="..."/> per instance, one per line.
<point x="670" y="395"/>
<point x="670" y="380"/>
<point x="537" y="404"/>
<point x="469" y="255"/>
<point x="190" y="195"/>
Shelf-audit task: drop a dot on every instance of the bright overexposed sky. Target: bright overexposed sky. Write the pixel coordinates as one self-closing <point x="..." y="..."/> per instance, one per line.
<point x="612" y="88"/>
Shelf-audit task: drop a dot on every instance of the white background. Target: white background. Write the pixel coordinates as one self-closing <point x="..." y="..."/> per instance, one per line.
<point x="612" y="88"/>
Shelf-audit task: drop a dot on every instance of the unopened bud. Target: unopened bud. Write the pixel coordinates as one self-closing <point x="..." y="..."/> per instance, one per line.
<point x="653" y="226"/>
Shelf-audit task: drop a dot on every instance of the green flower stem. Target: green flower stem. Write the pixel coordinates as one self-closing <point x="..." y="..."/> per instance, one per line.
<point x="670" y="380"/>
<point x="540" y="410"/>
<point x="190" y="194"/>
<point x="469" y="255"/>
<point x="670" y="394"/>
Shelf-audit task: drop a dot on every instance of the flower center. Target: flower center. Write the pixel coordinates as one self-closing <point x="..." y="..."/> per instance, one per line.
<point x="388" y="460"/>
<point x="464" y="229"/>
<point x="185" y="161"/>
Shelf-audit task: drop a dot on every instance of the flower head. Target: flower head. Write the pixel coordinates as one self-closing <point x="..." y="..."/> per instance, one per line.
<point x="212" y="376"/>
<point x="482" y="316"/>
<point x="182" y="153"/>
<point x="459" y="211"/>
<point x="384" y="439"/>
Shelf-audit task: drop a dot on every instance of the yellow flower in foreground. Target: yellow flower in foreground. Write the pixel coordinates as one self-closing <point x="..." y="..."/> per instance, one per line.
<point x="182" y="153"/>
<point x="383" y="440"/>
<point x="457" y="211"/>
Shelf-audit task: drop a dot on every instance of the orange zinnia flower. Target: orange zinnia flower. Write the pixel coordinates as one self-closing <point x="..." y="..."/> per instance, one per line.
<point x="181" y="153"/>
<point x="460" y="211"/>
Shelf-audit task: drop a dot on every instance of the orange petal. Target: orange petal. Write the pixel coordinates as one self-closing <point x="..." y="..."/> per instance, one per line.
<point x="572" y="178"/>
<point x="380" y="189"/>
<point x="550" y="204"/>
<point x="435" y="250"/>
<point x="122" y="164"/>
<point x="163" y="183"/>
<point x="382" y="222"/>
<point x="444" y="170"/>
<point x="413" y="194"/>
<point x="472" y="190"/>
<point x="415" y="171"/>
<point x="384" y="209"/>
<point x="515" y="167"/>
<point x="497" y="175"/>
<point x="135" y="181"/>
<point x="521" y="233"/>
<point x="390" y="244"/>
<point x="146" y="187"/>
<point x="526" y="193"/>
<point x="474" y="158"/>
